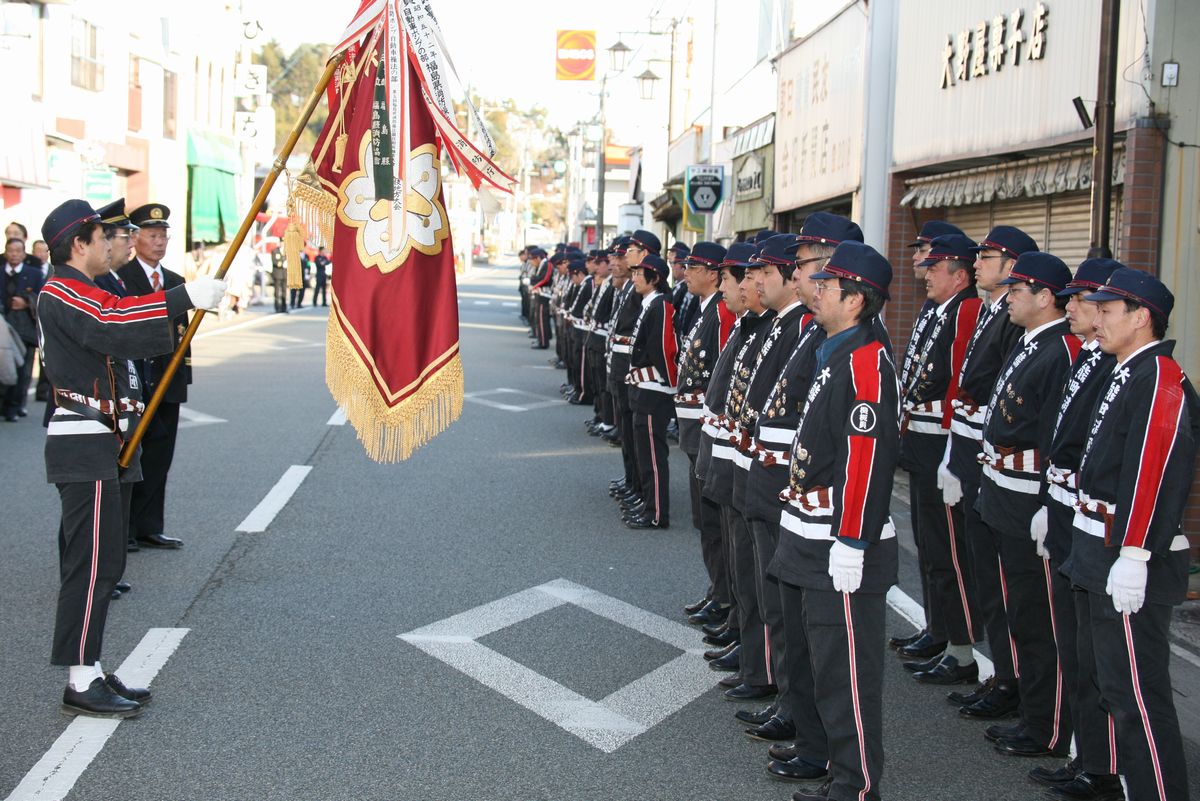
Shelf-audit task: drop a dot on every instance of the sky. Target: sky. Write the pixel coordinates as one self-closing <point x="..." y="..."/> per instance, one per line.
<point x="507" y="49"/>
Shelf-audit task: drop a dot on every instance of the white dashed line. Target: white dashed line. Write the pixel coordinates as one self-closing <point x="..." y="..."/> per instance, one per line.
<point x="55" y="774"/>
<point x="338" y="418"/>
<point x="276" y="499"/>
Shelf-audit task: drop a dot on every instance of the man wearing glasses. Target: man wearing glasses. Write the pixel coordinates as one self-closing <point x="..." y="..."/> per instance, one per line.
<point x="144" y="275"/>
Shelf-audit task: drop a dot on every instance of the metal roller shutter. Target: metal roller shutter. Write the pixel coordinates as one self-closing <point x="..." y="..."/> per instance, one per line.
<point x="975" y="221"/>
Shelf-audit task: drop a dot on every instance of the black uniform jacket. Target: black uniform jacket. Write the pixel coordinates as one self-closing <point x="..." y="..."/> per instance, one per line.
<point x="702" y="346"/>
<point x="579" y="303"/>
<point x="597" y="315"/>
<point x="933" y="382"/>
<point x="135" y="281"/>
<point x="1018" y="425"/>
<point x="88" y="336"/>
<point x="843" y="461"/>
<point x="987" y="351"/>
<point x="654" y="363"/>
<point x="920" y="332"/>
<point x="627" y="307"/>
<point x="725" y="402"/>
<point x="780" y="342"/>
<point x="1088" y="379"/>
<point x="1137" y="469"/>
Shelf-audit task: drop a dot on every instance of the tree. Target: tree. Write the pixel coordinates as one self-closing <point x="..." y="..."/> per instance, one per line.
<point x="291" y="80"/>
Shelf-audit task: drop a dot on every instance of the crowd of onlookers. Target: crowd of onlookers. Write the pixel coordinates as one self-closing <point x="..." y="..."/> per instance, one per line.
<point x="25" y="266"/>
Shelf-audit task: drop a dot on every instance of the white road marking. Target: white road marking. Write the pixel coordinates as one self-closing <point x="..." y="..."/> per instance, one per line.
<point x="482" y="303"/>
<point x="485" y="327"/>
<point x="510" y="304"/>
<point x="1185" y="655"/>
<point x="606" y="724"/>
<point x="55" y="774"/>
<point x="483" y="295"/>
<point x="246" y="324"/>
<point x="912" y="611"/>
<point x="338" y="418"/>
<point x="192" y="418"/>
<point x="540" y="401"/>
<point x="276" y="499"/>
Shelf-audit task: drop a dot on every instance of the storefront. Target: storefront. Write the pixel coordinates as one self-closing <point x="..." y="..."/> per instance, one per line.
<point x="753" y="178"/>
<point x="819" y="123"/>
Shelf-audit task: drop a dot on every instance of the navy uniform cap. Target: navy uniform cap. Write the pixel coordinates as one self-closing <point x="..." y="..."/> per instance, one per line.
<point x="535" y="252"/>
<point x="66" y="219"/>
<point x="740" y="254"/>
<point x="707" y="254"/>
<point x="950" y="246"/>
<point x="647" y="240"/>
<point x="763" y="236"/>
<point x="1139" y="286"/>
<point x="780" y="250"/>
<point x="577" y="265"/>
<point x="932" y="230"/>
<point x="655" y="263"/>
<point x="558" y="258"/>
<point x="859" y="262"/>
<point x="151" y="215"/>
<point x="620" y="245"/>
<point x="680" y="247"/>
<point x="1009" y="240"/>
<point x="1037" y="268"/>
<point x="1091" y="275"/>
<point x="823" y="228"/>
<point x="113" y="215"/>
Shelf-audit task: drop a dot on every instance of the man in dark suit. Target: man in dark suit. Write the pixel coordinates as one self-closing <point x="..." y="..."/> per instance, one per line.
<point x="143" y="275"/>
<point x="20" y="284"/>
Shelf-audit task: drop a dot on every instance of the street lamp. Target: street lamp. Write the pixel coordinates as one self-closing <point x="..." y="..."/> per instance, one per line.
<point x="619" y="56"/>
<point x="646" y="83"/>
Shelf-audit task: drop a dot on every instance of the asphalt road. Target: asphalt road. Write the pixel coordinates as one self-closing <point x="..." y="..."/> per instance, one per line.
<point x="496" y="553"/>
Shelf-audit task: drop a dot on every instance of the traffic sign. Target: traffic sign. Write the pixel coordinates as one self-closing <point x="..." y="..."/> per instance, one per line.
<point x="704" y="187"/>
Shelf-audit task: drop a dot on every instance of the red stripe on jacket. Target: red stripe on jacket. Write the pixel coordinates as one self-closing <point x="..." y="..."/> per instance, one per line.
<point x="864" y="371"/>
<point x="726" y="320"/>
<point x="965" y="318"/>
<point x="669" y="345"/>
<point x="106" y="307"/>
<point x="1162" y="429"/>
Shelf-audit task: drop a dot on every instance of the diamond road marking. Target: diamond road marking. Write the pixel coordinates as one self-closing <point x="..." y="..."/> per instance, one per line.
<point x="606" y="724"/>
<point x="480" y="398"/>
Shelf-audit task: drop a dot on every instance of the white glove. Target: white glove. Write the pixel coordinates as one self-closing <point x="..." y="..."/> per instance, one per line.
<point x="845" y="566"/>
<point x="205" y="292"/>
<point x="1037" y="531"/>
<point x="949" y="484"/>
<point x="1127" y="580"/>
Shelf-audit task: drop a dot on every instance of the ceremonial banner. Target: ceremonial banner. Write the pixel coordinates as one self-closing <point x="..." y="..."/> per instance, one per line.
<point x="392" y="357"/>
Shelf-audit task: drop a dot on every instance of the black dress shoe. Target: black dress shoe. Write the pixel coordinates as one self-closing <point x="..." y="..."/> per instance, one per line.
<point x="612" y="438"/>
<point x="132" y="547"/>
<point x="137" y="694"/>
<point x="963" y="699"/>
<point x="646" y="522"/>
<point x="758" y="718"/>
<point x="692" y="609"/>
<point x="1051" y="777"/>
<point x="1089" y="787"/>
<point x="923" y="666"/>
<point x="1001" y="701"/>
<point x="900" y="642"/>
<point x="715" y="629"/>
<point x="816" y="794"/>
<point x="1026" y="746"/>
<point x="98" y="701"/>
<point x="123" y="586"/>
<point x="713" y="612"/>
<point x="160" y="541"/>
<point x="724" y="638"/>
<point x="745" y="692"/>
<point x="717" y="653"/>
<point x="782" y="753"/>
<point x="616" y="483"/>
<point x="634" y="501"/>
<point x="948" y="671"/>
<point x="730" y="663"/>
<point x="730" y="681"/>
<point x="635" y="512"/>
<point x="923" y="647"/>
<point x="116" y="595"/>
<point x="1000" y="731"/>
<point x="775" y="730"/>
<point x="796" y="770"/>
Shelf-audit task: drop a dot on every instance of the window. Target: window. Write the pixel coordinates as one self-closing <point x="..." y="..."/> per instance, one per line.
<point x="135" y="93"/>
<point x="170" y="103"/>
<point x="87" y="69"/>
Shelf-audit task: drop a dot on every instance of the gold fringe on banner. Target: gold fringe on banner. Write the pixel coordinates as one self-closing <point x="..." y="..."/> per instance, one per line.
<point x="389" y="433"/>
<point x="316" y="210"/>
<point x="293" y="240"/>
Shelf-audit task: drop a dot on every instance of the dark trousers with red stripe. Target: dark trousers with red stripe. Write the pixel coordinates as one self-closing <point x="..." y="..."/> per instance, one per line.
<point x="934" y="622"/>
<point x="148" y="509"/>
<point x="988" y="578"/>
<point x="650" y="442"/>
<point x="811" y="742"/>
<point x="755" y="670"/>
<point x="846" y="641"/>
<point x="764" y="535"/>
<point x="624" y="423"/>
<point x="597" y="371"/>
<point x="1093" y="726"/>
<point x="92" y="539"/>
<point x="541" y="321"/>
<point x="1131" y="656"/>
<point x="1045" y="711"/>
<point x="706" y="517"/>
<point x="946" y="562"/>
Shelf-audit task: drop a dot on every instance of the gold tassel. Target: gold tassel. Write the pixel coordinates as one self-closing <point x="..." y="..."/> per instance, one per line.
<point x="316" y="209"/>
<point x="339" y="151"/>
<point x="389" y="433"/>
<point x="293" y="244"/>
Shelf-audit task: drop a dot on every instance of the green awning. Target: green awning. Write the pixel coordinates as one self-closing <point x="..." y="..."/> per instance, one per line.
<point x="213" y="161"/>
<point x="208" y="149"/>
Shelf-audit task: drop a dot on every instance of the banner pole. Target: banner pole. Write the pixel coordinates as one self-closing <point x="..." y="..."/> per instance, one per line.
<point x="131" y="445"/>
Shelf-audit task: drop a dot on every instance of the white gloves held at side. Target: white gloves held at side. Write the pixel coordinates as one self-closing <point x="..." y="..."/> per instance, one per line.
<point x="846" y="566"/>
<point x="949" y="484"/>
<point x="1127" y="580"/>
<point x="1037" y="531"/>
<point x="205" y="292"/>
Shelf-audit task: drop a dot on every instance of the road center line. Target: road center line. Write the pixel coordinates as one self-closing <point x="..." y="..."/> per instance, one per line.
<point x="55" y="774"/>
<point x="276" y="499"/>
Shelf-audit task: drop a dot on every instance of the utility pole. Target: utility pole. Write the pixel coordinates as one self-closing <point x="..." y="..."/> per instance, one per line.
<point x="1102" y="147"/>
<point x="600" y="165"/>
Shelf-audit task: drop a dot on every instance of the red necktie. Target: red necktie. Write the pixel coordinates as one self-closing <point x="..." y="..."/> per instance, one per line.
<point x="155" y="281"/>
